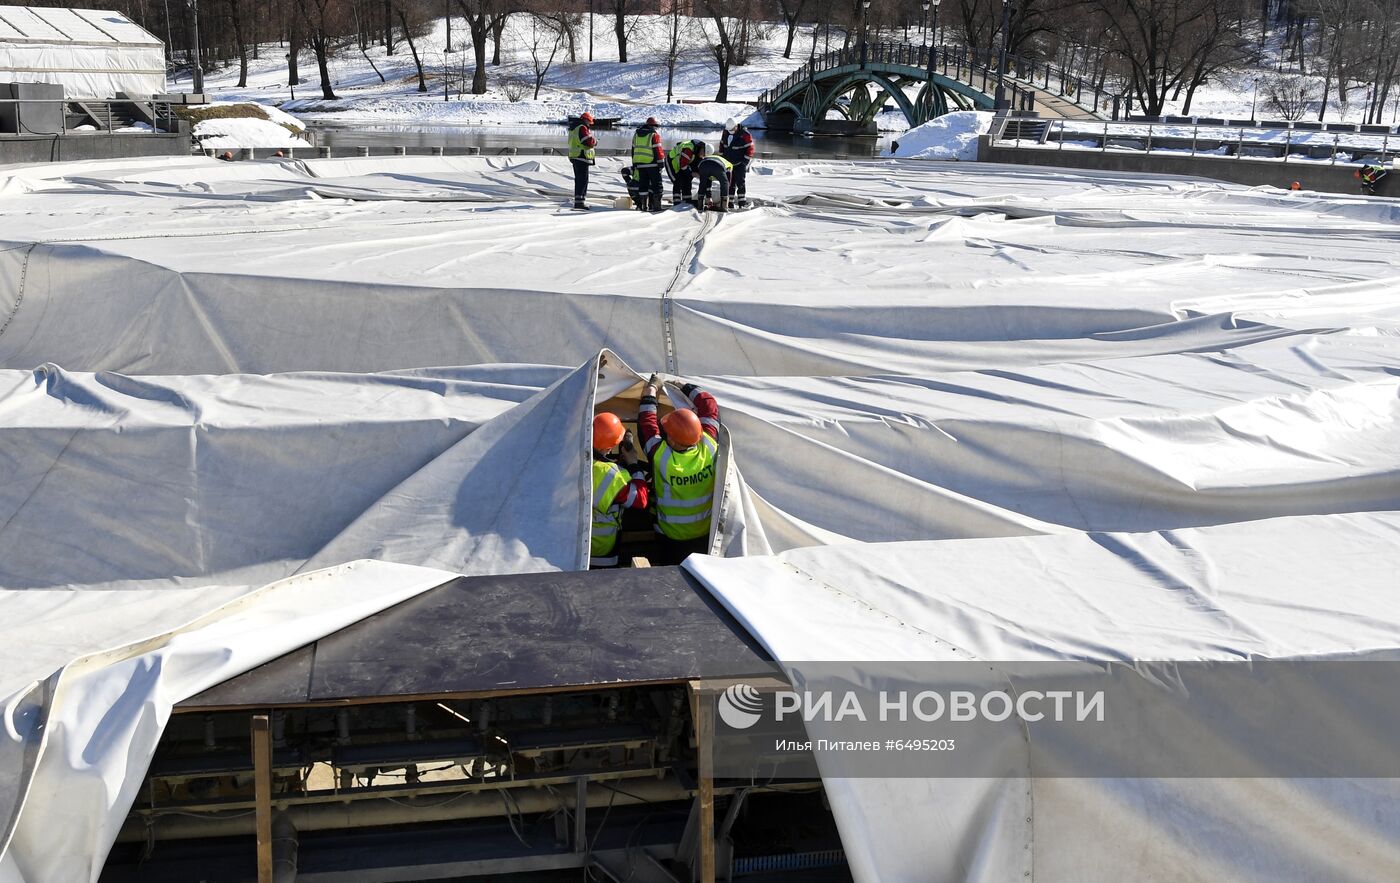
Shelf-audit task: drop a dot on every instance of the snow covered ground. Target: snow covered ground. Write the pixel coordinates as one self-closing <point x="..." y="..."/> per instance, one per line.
<point x="272" y="129"/>
<point x="633" y="90"/>
<point x="951" y="136"/>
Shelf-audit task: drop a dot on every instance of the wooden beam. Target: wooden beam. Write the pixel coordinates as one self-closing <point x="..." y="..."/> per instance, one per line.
<point x="262" y="793"/>
<point x="703" y="714"/>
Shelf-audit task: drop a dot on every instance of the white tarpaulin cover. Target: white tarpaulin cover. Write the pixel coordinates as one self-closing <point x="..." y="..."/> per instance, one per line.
<point x="92" y="53"/>
<point x="871" y="268"/>
<point x="76" y="741"/>
<point x="1303" y="587"/>
<point x="901" y="351"/>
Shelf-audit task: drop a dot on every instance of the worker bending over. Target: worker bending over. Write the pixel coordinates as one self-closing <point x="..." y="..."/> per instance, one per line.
<point x="647" y="158"/>
<point x="1371" y="175"/>
<point x="582" y="146"/>
<point x="736" y="145"/>
<point x="613" y="489"/>
<point x="681" y="167"/>
<point x="684" y="452"/>
<point x="714" y="170"/>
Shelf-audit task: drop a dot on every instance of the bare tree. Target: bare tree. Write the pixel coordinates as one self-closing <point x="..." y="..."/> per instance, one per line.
<point x="416" y="21"/>
<point x="324" y="20"/>
<point x="620" y="10"/>
<point x="565" y="19"/>
<point x="672" y="44"/>
<point x="792" y="13"/>
<point x="545" y="40"/>
<point x="1168" y="45"/>
<point x="479" y="20"/>
<point x="725" y="32"/>
<point x="1288" y="95"/>
<point x="236" y="19"/>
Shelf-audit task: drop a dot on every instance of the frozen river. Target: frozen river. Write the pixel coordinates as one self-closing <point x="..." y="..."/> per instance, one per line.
<point x="493" y="139"/>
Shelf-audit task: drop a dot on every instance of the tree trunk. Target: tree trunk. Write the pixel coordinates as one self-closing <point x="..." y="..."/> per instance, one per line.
<point x="237" y="22"/>
<point x="479" y="37"/>
<point x="723" y="94"/>
<point x="293" y="49"/>
<point x="1326" y="90"/>
<point x="417" y="62"/>
<point x="620" y="28"/>
<point x="497" y="27"/>
<point x="320" y="43"/>
<point x="389" y="27"/>
<point x="374" y="66"/>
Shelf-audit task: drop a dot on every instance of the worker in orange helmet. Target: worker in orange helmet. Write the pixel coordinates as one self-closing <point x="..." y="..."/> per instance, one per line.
<point x="582" y="147"/>
<point x="648" y="156"/>
<point x="684" y="452"/>
<point x="614" y="488"/>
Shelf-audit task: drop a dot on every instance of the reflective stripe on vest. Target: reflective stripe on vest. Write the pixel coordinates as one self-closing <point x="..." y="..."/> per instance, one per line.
<point x="685" y="487"/>
<point x="576" y="148"/>
<point x="675" y="158"/>
<point x="643" y="149"/>
<point x="608" y="481"/>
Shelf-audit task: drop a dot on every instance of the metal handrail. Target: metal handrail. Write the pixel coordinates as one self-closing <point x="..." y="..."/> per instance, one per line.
<point x="166" y="122"/>
<point x="1171" y="138"/>
<point x="1024" y="76"/>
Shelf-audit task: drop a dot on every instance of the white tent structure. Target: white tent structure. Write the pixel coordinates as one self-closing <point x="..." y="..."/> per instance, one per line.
<point x="92" y="53"/>
<point x="1017" y="414"/>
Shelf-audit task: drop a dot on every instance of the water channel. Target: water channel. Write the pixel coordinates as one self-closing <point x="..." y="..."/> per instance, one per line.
<point x="489" y="139"/>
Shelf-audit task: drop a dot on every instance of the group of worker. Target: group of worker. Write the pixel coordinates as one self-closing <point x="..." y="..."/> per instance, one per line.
<point x="689" y="165"/>
<point x="683" y="450"/>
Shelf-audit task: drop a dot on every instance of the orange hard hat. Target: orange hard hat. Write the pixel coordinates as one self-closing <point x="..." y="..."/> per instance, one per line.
<point x="1296" y="186"/>
<point x="651" y="121"/>
<point x="228" y="155"/>
<point x="607" y="431"/>
<point x="586" y="117"/>
<point x="682" y="427"/>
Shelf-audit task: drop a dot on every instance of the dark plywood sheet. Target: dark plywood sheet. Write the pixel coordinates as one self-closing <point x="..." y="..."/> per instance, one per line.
<point x="508" y="634"/>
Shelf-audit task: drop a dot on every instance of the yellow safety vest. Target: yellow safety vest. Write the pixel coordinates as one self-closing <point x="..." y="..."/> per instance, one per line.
<point x="685" y="488"/>
<point x="643" y="150"/>
<point x="576" y="148"/>
<point x="726" y="164"/>
<point x="608" y="482"/>
<point x="675" y="158"/>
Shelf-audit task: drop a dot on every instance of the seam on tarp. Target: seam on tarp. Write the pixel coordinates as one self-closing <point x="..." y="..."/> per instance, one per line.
<point x="19" y="295"/>
<point x="969" y="655"/>
<point x="668" y="328"/>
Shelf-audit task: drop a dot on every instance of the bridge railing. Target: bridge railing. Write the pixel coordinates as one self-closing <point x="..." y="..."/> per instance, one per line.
<point x="976" y="67"/>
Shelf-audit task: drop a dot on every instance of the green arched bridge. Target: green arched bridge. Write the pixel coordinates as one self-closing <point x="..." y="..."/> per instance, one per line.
<point x="923" y="82"/>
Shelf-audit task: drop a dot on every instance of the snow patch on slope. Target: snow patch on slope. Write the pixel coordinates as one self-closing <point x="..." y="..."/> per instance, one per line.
<point x="951" y="136"/>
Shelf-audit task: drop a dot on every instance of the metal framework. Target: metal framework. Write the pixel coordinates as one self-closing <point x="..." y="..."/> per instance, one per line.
<point x="857" y="83"/>
<point x="925" y="82"/>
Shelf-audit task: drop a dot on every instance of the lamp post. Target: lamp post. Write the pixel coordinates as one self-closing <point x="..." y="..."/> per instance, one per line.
<point x="933" y="47"/>
<point x="923" y="22"/>
<point x="1006" y="11"/>
<point x="590" y="30"/>
<point x="198" y="73"/>
<point x="864" y="32"/>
